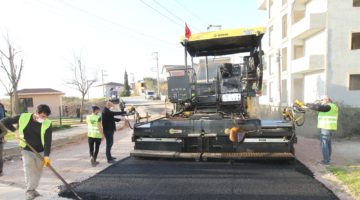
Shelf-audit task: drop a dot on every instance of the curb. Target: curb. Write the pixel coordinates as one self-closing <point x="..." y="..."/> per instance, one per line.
<point x="15" y="151"/>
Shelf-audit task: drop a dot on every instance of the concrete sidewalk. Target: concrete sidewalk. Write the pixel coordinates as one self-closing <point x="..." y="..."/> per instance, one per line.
<point x="308" y="151"/>
<point x="59" y="138"/>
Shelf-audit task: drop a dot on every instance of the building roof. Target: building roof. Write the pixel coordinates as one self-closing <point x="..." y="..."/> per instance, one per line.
<point x="32" y="91"/>
<point x="173" y="67"/>
<point x="112" y="84"/>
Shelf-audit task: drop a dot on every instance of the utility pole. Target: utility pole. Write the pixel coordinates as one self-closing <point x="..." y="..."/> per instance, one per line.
<point x="216" y="26"/>
<point x="157" y="67"/>
<point x="103" y="74"/>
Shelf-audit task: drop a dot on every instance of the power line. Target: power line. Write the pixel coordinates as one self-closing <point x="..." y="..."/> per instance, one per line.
<point x="101" y="19"/>
<point x="112" y="22"/>
<point x="172" y="13"/>
<point x="160" y="13"/>
<point x="185" y="8"/>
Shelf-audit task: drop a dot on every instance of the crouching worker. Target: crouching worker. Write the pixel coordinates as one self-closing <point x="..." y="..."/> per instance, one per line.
<point x="95" y="134"/>
<point x="34" y="129"/>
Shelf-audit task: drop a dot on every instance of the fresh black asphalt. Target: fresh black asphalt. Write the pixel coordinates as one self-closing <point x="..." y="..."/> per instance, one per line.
<point x="137" y="179"/>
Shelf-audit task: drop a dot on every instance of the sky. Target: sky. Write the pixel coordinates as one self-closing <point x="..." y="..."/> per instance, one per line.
<point x="109" y="35"/>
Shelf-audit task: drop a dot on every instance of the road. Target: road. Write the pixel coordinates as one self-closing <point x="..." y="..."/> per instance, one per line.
<point x="162" y="179"/>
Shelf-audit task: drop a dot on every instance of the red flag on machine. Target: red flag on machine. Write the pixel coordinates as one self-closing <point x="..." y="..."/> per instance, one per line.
<point x="187" y="31"/>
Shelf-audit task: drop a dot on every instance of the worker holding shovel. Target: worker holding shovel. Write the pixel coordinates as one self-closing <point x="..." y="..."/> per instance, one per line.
<point x="34" y="131"/>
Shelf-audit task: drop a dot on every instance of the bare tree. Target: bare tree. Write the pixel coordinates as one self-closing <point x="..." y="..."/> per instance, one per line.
<point x="13" y="69"/>
<point x="9" y="91"/>
<point x="80" y="81"/>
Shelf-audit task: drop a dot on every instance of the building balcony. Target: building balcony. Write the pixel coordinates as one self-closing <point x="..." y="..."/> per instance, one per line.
<point x="308" y="64"/>
<point x="300" y="4"/>
<point x="309" y="25"/>
<point x="261" y="4"/>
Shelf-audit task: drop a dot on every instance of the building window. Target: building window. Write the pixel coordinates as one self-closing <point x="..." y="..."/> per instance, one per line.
<point x="264" y="62"/>
<point x="284" y="26"/>
<point x="297" y="16"/>
<point x="271" y="91"/>
<point x="355" y="41"/>
<point x="270" y="8"/>
<point x="298" y="51"/>
<point x="354" y="82"/>
<point x="284" y="93"/>
<point x="284" y="59"/>
<point x="264" y="89"/>
<point x="271" y="28"/>
<point x="27" y="102"/>
<point x="356" y="3"/>
<point x="271" y="70"/>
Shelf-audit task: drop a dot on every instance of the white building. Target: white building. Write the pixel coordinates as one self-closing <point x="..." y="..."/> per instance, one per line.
<point x="105" y="90"/>
<point x="312" y="48"/>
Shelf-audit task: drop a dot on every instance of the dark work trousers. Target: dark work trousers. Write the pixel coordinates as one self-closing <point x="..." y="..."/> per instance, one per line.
<point x="94" y="142"/>
<point x="1" y="156"/>
<point x="109" y="136"/>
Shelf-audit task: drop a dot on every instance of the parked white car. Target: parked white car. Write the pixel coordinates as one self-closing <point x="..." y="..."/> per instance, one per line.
<point x="150" y="95"/>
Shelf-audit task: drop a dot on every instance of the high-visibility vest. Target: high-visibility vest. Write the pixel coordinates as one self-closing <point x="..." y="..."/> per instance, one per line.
<point x="93" y="130"/>
<point x="24" y="121"/>
<point x="328" y="120"/>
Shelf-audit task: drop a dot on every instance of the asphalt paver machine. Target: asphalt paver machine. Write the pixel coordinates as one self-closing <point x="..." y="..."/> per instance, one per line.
<point x="213" y="102"/>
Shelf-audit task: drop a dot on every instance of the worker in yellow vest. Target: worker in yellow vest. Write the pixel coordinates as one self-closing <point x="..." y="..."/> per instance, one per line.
<point x="95" y="134"/>
<point x="36" y="130"/>
<point x="327" y="122"/>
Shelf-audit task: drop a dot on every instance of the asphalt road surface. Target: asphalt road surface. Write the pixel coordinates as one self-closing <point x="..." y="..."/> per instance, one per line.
<point x="138" y="179"/>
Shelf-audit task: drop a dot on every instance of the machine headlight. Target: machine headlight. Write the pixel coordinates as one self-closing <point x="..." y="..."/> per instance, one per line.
<point x="231" y="97"/>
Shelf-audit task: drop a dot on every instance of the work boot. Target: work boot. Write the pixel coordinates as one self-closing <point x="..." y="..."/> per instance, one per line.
<point x="93" y="163"/>
<point x="111" y="161"/>
<point x="31" y="194"/>
<point x="36" y="193"/>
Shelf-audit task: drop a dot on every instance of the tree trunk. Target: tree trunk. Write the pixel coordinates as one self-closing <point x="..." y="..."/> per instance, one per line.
<point x="82" y="107"/>
<point x="11" y="105"/>
<point x="16" y="109"/>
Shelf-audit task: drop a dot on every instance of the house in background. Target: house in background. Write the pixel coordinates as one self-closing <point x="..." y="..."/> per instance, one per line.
<point x="30" y="98"/>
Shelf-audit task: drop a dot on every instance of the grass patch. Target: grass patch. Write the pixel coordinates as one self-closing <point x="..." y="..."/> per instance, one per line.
<point x="59" y="128"/>
<point x="66" y="121"/>
<point x="10" y="136"/>
<point x="349" y="176"/>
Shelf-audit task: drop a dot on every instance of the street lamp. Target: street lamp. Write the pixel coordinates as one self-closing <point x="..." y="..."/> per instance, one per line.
<point x="157" y="67"/>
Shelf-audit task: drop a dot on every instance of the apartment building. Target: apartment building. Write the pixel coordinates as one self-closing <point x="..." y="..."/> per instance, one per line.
<point x="312" y="48"/>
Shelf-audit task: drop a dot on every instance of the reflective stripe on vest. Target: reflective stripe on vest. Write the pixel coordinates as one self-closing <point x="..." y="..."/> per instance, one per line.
<point x="24" y="121"/>
<point x="93" y="130"/>
<point x="328" y="120"/>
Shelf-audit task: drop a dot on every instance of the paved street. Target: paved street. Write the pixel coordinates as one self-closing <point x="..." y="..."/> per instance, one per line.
<point x="141" y="179"/>
<point x="161" y="179"/>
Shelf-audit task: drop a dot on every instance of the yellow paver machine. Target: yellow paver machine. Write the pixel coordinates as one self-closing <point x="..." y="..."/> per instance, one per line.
<point x="212" y="99"/>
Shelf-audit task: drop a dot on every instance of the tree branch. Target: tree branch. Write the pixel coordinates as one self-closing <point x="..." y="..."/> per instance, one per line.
<point x="2" y="53"/>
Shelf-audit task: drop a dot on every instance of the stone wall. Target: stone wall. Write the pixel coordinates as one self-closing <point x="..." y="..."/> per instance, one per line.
<point x="348" y="124"/>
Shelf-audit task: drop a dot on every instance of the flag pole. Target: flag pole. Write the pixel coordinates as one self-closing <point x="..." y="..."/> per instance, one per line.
<point x="185" y="51"/>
